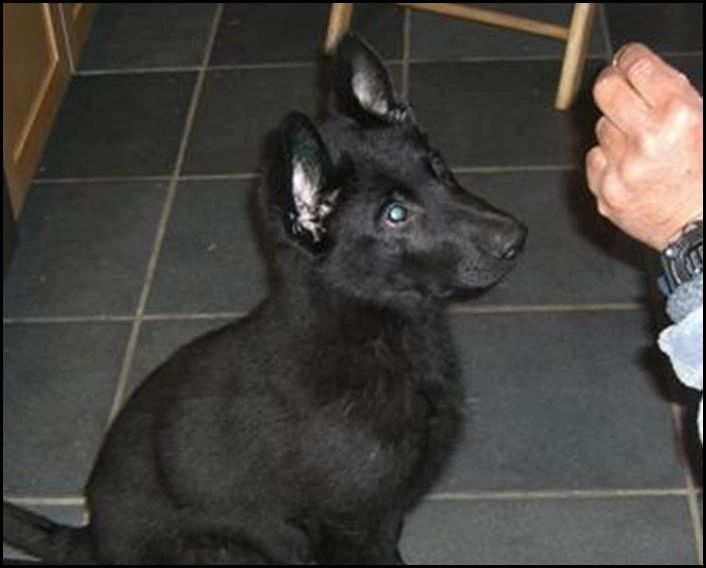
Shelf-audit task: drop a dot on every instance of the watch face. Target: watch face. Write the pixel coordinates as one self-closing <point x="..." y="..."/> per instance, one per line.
<point x="684" y="259"/>
<point x="695" y="258"/>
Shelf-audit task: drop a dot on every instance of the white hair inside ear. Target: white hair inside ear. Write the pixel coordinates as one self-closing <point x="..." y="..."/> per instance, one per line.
<point x="311" y="208"/>
<point x="370" y="93"/>
<point x="304" y="191"/>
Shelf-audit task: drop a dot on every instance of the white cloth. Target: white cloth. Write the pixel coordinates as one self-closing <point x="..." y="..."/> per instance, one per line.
<point x="684" y="343"/>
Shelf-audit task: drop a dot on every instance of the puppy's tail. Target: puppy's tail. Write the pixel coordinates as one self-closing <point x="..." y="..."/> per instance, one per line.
<point x="44" y="539"/>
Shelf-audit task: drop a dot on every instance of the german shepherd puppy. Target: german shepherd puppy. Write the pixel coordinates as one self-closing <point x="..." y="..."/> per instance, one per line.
<point x="303" y="433"/>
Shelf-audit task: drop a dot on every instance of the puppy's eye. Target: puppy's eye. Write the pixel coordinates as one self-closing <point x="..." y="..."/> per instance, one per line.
<point x="396" y="213"/>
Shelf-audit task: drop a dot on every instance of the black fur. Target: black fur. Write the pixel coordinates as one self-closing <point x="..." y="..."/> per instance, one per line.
<point x="305" y="432"/>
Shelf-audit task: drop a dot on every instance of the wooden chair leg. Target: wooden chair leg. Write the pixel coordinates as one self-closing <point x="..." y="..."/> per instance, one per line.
<point x="339" y="22"/>
<point x="492" y="18"/>
<point x="575" y="54"/>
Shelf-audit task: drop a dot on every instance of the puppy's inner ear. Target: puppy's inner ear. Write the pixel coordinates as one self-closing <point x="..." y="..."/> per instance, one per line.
<point x="309" y="198"/>
<point x="373" y="92"/>
<point x="363" y="85"/>
<point x="311" y="205"/>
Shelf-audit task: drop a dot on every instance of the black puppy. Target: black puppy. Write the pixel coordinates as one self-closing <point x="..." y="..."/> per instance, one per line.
<point x="305" y="432"/>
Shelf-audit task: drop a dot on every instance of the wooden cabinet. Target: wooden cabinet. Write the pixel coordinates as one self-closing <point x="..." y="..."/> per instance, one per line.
<point x="39" y="45"/>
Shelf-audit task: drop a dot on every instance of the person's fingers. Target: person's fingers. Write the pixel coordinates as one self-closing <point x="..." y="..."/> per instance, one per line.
<point x="618" y="101"/>
<point x="650" y="76"/>
<point x="611" y="139"/>
<point x="596" y="164"/>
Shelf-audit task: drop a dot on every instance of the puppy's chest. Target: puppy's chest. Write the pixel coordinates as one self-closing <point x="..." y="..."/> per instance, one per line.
<point x="361" y="459"/>
<point x="374" y="441"/>
<point x="400" y="385"/>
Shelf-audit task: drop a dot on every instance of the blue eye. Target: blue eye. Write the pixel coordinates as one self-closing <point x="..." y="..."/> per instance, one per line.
<point x="396" y="213"/>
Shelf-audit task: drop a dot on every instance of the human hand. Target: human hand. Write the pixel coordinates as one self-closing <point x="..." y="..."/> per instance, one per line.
<point x="647" y="169"/>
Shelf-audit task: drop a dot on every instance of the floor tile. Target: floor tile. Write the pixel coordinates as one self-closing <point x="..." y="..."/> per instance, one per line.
<point x="634" y="532"/>
<point x="140" y="35"/>
<point x="563" y="401"/>
<point x="119" y="125"/>
<point x="211" y="260"/>
<point x="665" y="27"/>
<point x="442" y="38"/>
<point x="501" y="113"/>
<point x="252" y="33"/>
<point x="238" y="109"/>
<point x="56" y="405"/>
<point x="84" y="249"/>
<point x="160" y="339"/>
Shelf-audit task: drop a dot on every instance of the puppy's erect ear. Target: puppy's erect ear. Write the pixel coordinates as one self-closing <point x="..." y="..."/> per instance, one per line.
<point x="300" y="182"/>
<point x="362" y="84"/>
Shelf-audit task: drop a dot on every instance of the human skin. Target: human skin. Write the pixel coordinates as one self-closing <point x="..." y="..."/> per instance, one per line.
<point x="646" y="171"/>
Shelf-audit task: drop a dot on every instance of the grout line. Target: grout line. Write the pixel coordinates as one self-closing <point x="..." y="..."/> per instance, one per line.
<point x="454" y="309"/>
<point x="162" y="227"/>
<point x="693" y="501"/>
<point x="698" y="526"/>
<point x="406" y="60"/>
<point x="47" y="501"/>
<point x="556" y="495"/>
<point x="126" y="179"/>
<point x="100" y="318"/>
<point x="122" y="319"/>
<point x="457" y="496"/>
<point x="137" y="71"/>
<point x="545" y="308"/>
<point x="558" y="58"/>
<point x="255" y="175"/>
<point x="192" y="317"/>
<point x="406" y="39"/>
<point x="265" y="66"/>
<point x="100" y="179"/>
<point x="692" y="495"/>
<point x="209" y="177"/>
<point x="197" y="68"/>
<point x="514" y="168"/>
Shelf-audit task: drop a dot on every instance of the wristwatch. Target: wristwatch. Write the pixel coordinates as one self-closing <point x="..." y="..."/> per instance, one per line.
<point x="683" y="259"/>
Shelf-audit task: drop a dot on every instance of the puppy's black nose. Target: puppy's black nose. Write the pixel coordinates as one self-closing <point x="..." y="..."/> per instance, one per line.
<point x="510" y="241"/>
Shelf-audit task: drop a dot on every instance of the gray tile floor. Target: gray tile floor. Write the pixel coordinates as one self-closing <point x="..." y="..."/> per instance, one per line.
<point x="139" y="235"/>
